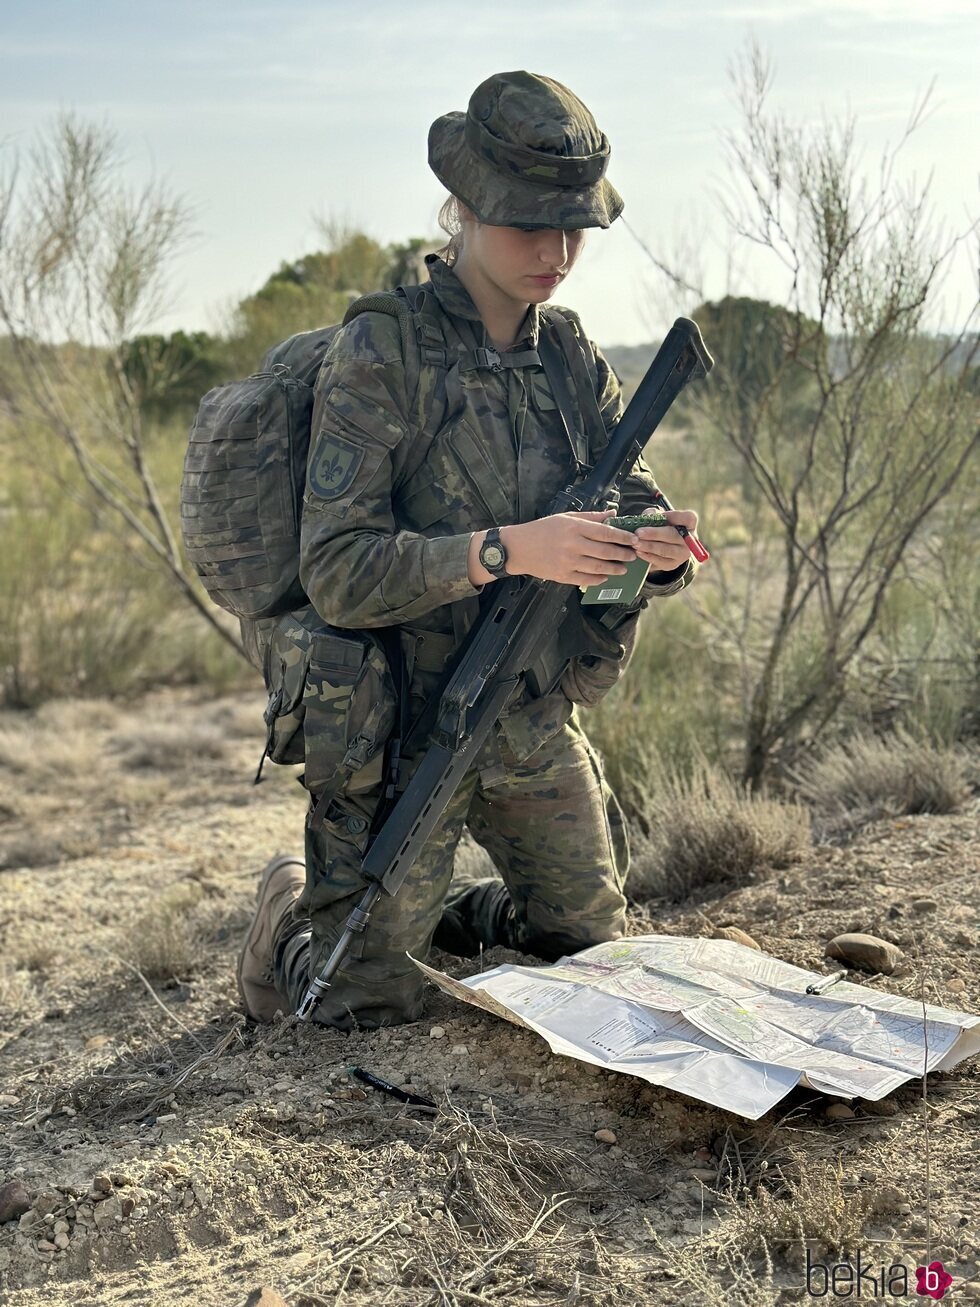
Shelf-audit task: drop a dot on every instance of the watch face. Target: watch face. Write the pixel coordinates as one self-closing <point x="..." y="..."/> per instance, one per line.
<point x="493" y="556"/>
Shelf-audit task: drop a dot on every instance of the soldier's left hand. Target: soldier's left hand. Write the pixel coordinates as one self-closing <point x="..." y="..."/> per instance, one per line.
<point x="661" y="546"/>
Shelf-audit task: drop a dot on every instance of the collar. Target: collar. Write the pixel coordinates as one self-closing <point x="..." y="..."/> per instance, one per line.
<point x="455" y="299"/>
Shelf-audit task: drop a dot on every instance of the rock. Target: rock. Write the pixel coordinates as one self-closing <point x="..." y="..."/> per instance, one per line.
<point x="102" y="1184"/>
<point x="47" y="1201"/>
<point x="923" y="906"/>
<point x="265" y="1297"/>
<point x="46" y="1246"/>
<point x="460" y="1050"/>
<point x="61" y="1240"/>
<point x="98" y="1041"/>
<point x="865" y="951"/>
<point x="736" y="936"/>
<point x="704" y="1174"/>
<point x="888" y="1198"/>
<point x="879" y="1106"/>
<point x="108" y="1213"/>
<point x="839" y="1112"/>
<point x="437" y="1032"/>
<point x="615" y="1151"/>
<point x="605" y="1137"/>
<point x="956" y="985"/>
<point x="126" y="1207"/>
<point x="14" y="1201"/>
<point x="61" y="1227"/>
<point x="9" y="1100"/>
<point x="404" y="1228"/>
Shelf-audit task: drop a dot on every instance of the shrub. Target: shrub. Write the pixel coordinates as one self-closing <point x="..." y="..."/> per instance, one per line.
<point x="868" y="777"/>
<point x="702" y="828"/>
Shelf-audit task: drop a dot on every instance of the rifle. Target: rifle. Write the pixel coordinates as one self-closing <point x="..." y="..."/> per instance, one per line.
<point x="522" y="612"/>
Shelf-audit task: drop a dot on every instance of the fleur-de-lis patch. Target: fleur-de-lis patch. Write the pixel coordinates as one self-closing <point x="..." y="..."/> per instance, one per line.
<point x="334" y="465"/>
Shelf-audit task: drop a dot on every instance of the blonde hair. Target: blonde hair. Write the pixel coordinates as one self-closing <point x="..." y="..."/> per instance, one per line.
<point x="450" y="221"/>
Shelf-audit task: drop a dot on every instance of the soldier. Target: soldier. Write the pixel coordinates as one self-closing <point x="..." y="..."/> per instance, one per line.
<point x="413" y="505"/>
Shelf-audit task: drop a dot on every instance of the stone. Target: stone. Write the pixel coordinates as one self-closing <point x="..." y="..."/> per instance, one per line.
<point x="956" y="986"/>
<point x="865" y="951"/>
<point x="14" y="1201"/>
<point x="265" y="1297"/>
<point x="61" y="1240"/>
<point x="879" y="1106"/>
<point x="736" y="936"/>
<point x="605" y="1137"/>
<point x="702" y="1156"/>
<point x="839" y="1112"/>
<point x="47" y="1201"/>
<point x="102" y="1184"/>
<point x="61" y="1227"/>
<point x="437" y="1032"/>
<point x="889" y="1198"/>
<point x="46" y="1246"/>
<point x="922" y="906"/>
<point x="460" y="1050"/>
<point x="704" y="1174"/>
<point x="404" y="1228"/>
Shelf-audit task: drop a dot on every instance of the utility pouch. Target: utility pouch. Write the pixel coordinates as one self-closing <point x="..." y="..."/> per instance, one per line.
<point x="332" y="700"/>
<point x="350" y="705"/>
<point x="586" y="657"/>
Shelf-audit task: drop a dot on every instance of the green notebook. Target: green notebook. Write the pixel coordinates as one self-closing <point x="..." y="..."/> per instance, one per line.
<point x="623" y="589"/>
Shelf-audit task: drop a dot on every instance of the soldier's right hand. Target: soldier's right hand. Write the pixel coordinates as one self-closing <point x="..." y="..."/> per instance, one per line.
<point x="574" y="548"/>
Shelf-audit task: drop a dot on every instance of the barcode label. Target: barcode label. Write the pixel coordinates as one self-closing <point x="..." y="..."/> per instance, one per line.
<point x="607" y="596"/>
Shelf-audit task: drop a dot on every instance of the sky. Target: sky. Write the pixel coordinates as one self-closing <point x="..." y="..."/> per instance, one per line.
<point x="266" y="117"/>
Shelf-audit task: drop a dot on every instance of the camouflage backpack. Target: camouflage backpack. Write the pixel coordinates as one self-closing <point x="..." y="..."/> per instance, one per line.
<point x="241" y="493"/>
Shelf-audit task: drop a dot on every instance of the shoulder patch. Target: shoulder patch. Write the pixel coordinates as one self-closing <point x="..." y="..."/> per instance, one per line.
<point x="333" y="465"/>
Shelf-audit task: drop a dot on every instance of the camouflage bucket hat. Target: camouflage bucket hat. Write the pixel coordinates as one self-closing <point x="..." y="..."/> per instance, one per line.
<point x="527" y="153"/>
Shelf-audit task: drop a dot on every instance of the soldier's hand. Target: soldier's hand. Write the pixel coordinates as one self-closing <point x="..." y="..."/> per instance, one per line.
<point x="574" y="548"/>
<point x="661" y="546"/>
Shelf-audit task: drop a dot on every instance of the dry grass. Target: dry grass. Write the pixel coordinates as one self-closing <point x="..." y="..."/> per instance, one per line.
<point x="161" y="746"/>
<point x="704" y="829"/>
<point x="166" y="941"/>
<point x="813" y="1207"/>
<point x="869" y="777"/>
<point x="46" y="753"/>
<point x="29" y="848"/>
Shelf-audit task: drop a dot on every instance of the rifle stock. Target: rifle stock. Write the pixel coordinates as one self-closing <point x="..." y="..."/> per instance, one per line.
<point x="521" y="612"/>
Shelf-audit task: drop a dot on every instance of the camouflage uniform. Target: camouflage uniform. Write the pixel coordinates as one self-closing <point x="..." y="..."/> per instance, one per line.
<point x="396" y="485"/>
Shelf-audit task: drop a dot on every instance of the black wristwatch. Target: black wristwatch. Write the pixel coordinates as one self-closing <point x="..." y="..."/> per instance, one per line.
<point x="493" y="555"/>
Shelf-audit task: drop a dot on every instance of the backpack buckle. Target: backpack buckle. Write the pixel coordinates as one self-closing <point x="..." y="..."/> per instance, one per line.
<point x="488" y="358"/>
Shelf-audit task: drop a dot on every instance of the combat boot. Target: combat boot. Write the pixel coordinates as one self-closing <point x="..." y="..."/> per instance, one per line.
<point x="281" y="885"/>
<point x="480" y="913"/>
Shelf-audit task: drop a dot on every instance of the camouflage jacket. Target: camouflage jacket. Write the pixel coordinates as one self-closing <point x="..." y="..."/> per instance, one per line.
<point x="395" y="488"/>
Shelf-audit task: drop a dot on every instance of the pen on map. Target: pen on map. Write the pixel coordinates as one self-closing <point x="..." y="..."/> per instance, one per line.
<point x="819" y="986"/>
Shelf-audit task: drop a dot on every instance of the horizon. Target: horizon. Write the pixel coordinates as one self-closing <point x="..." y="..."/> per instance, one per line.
<point x="235" y="120"/>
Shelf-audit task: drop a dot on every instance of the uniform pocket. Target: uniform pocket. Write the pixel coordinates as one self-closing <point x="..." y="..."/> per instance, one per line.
<point x="349" y="702"/>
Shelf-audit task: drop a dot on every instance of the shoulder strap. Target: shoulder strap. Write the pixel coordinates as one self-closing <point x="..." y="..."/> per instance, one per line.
<point x="582" y="368"/>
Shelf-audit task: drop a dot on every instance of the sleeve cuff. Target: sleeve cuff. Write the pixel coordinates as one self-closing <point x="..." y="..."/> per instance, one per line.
<point x="659" y="584"/>
<point x="445" y="568"/>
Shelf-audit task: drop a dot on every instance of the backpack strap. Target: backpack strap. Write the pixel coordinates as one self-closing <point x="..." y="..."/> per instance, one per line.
<point x="582" y="368"/>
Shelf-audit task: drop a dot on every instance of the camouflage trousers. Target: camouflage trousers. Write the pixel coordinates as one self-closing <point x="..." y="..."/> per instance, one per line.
<point x="554" y="831"/>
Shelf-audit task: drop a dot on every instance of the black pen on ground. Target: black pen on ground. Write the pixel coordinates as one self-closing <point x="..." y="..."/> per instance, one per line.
<point x="819" y="986"/>
<point x="403" y="1095"/>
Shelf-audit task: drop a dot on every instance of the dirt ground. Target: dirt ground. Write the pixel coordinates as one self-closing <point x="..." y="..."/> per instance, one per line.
<point x="173" y="1153"/>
